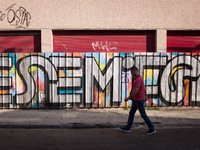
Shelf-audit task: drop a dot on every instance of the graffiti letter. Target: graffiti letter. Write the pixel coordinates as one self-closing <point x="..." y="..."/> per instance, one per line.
<point x="72" y="83"/>
<point x="23" y="66"/>
<point x="5" y="82"/>
<point x="171" y="84"/>
<point x="11" y="15"/>
<point x="111" y="71"/>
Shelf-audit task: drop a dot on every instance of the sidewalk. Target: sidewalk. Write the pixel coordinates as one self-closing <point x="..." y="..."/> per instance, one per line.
<point x="171" y="117"/>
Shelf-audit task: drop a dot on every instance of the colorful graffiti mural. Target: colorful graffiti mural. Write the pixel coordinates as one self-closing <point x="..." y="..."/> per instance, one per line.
<point x="68" y="80"/>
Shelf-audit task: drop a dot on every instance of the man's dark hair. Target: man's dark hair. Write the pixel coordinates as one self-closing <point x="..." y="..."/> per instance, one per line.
<point x="134" y="68"/>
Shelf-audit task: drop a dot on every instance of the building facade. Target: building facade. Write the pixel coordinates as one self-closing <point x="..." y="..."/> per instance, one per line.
<point x="70" y="53"/>
<point x="158" y="21"/>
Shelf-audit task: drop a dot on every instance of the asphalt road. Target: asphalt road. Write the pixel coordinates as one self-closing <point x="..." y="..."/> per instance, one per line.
<point x="99" y="139"/>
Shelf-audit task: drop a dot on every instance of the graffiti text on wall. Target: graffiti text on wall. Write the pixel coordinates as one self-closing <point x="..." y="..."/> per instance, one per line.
<point x="104" y="45"/>
<point x="16" y="16"/>
<point x="96" y="79"/>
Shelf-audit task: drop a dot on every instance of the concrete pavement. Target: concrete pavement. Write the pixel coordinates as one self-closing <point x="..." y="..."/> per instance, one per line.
<point x="99" y="139"/>
<point x="166" y="117"/>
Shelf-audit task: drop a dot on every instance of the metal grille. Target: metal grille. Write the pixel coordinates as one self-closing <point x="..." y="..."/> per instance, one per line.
<point x="96" y="80"/>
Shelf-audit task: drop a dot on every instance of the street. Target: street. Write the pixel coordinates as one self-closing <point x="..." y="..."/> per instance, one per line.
<point x="99" y="138"/>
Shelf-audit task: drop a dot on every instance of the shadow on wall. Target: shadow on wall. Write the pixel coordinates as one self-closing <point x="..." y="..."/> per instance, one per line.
<point x="185" y="49"/>
<point x="10" y="50"/>
<point x="197" y="47"/>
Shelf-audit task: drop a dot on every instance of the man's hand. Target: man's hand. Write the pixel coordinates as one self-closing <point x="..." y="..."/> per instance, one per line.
<point x="126" y="99"/>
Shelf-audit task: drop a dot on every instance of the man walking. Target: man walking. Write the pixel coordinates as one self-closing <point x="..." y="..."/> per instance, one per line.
<point x="138" y="97"/>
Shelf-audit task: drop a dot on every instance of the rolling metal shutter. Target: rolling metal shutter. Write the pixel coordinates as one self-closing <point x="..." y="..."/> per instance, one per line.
<point x="20" y="41"/>
<point x="103" y="41"/>
<point x="183" y="41"/>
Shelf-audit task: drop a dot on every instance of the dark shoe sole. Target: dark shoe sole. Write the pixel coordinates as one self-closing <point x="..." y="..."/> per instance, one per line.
<point x="127" y="131"/>
<point x="151" y="133"/>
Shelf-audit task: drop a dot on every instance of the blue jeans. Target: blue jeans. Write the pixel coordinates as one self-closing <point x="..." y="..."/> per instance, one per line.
<point x="140" y="106"/>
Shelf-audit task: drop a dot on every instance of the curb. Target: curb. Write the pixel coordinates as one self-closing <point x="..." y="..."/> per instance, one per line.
<point x="90" y="126"/>
<point x="66" y="126"/>
<point x="62" y="126"/>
